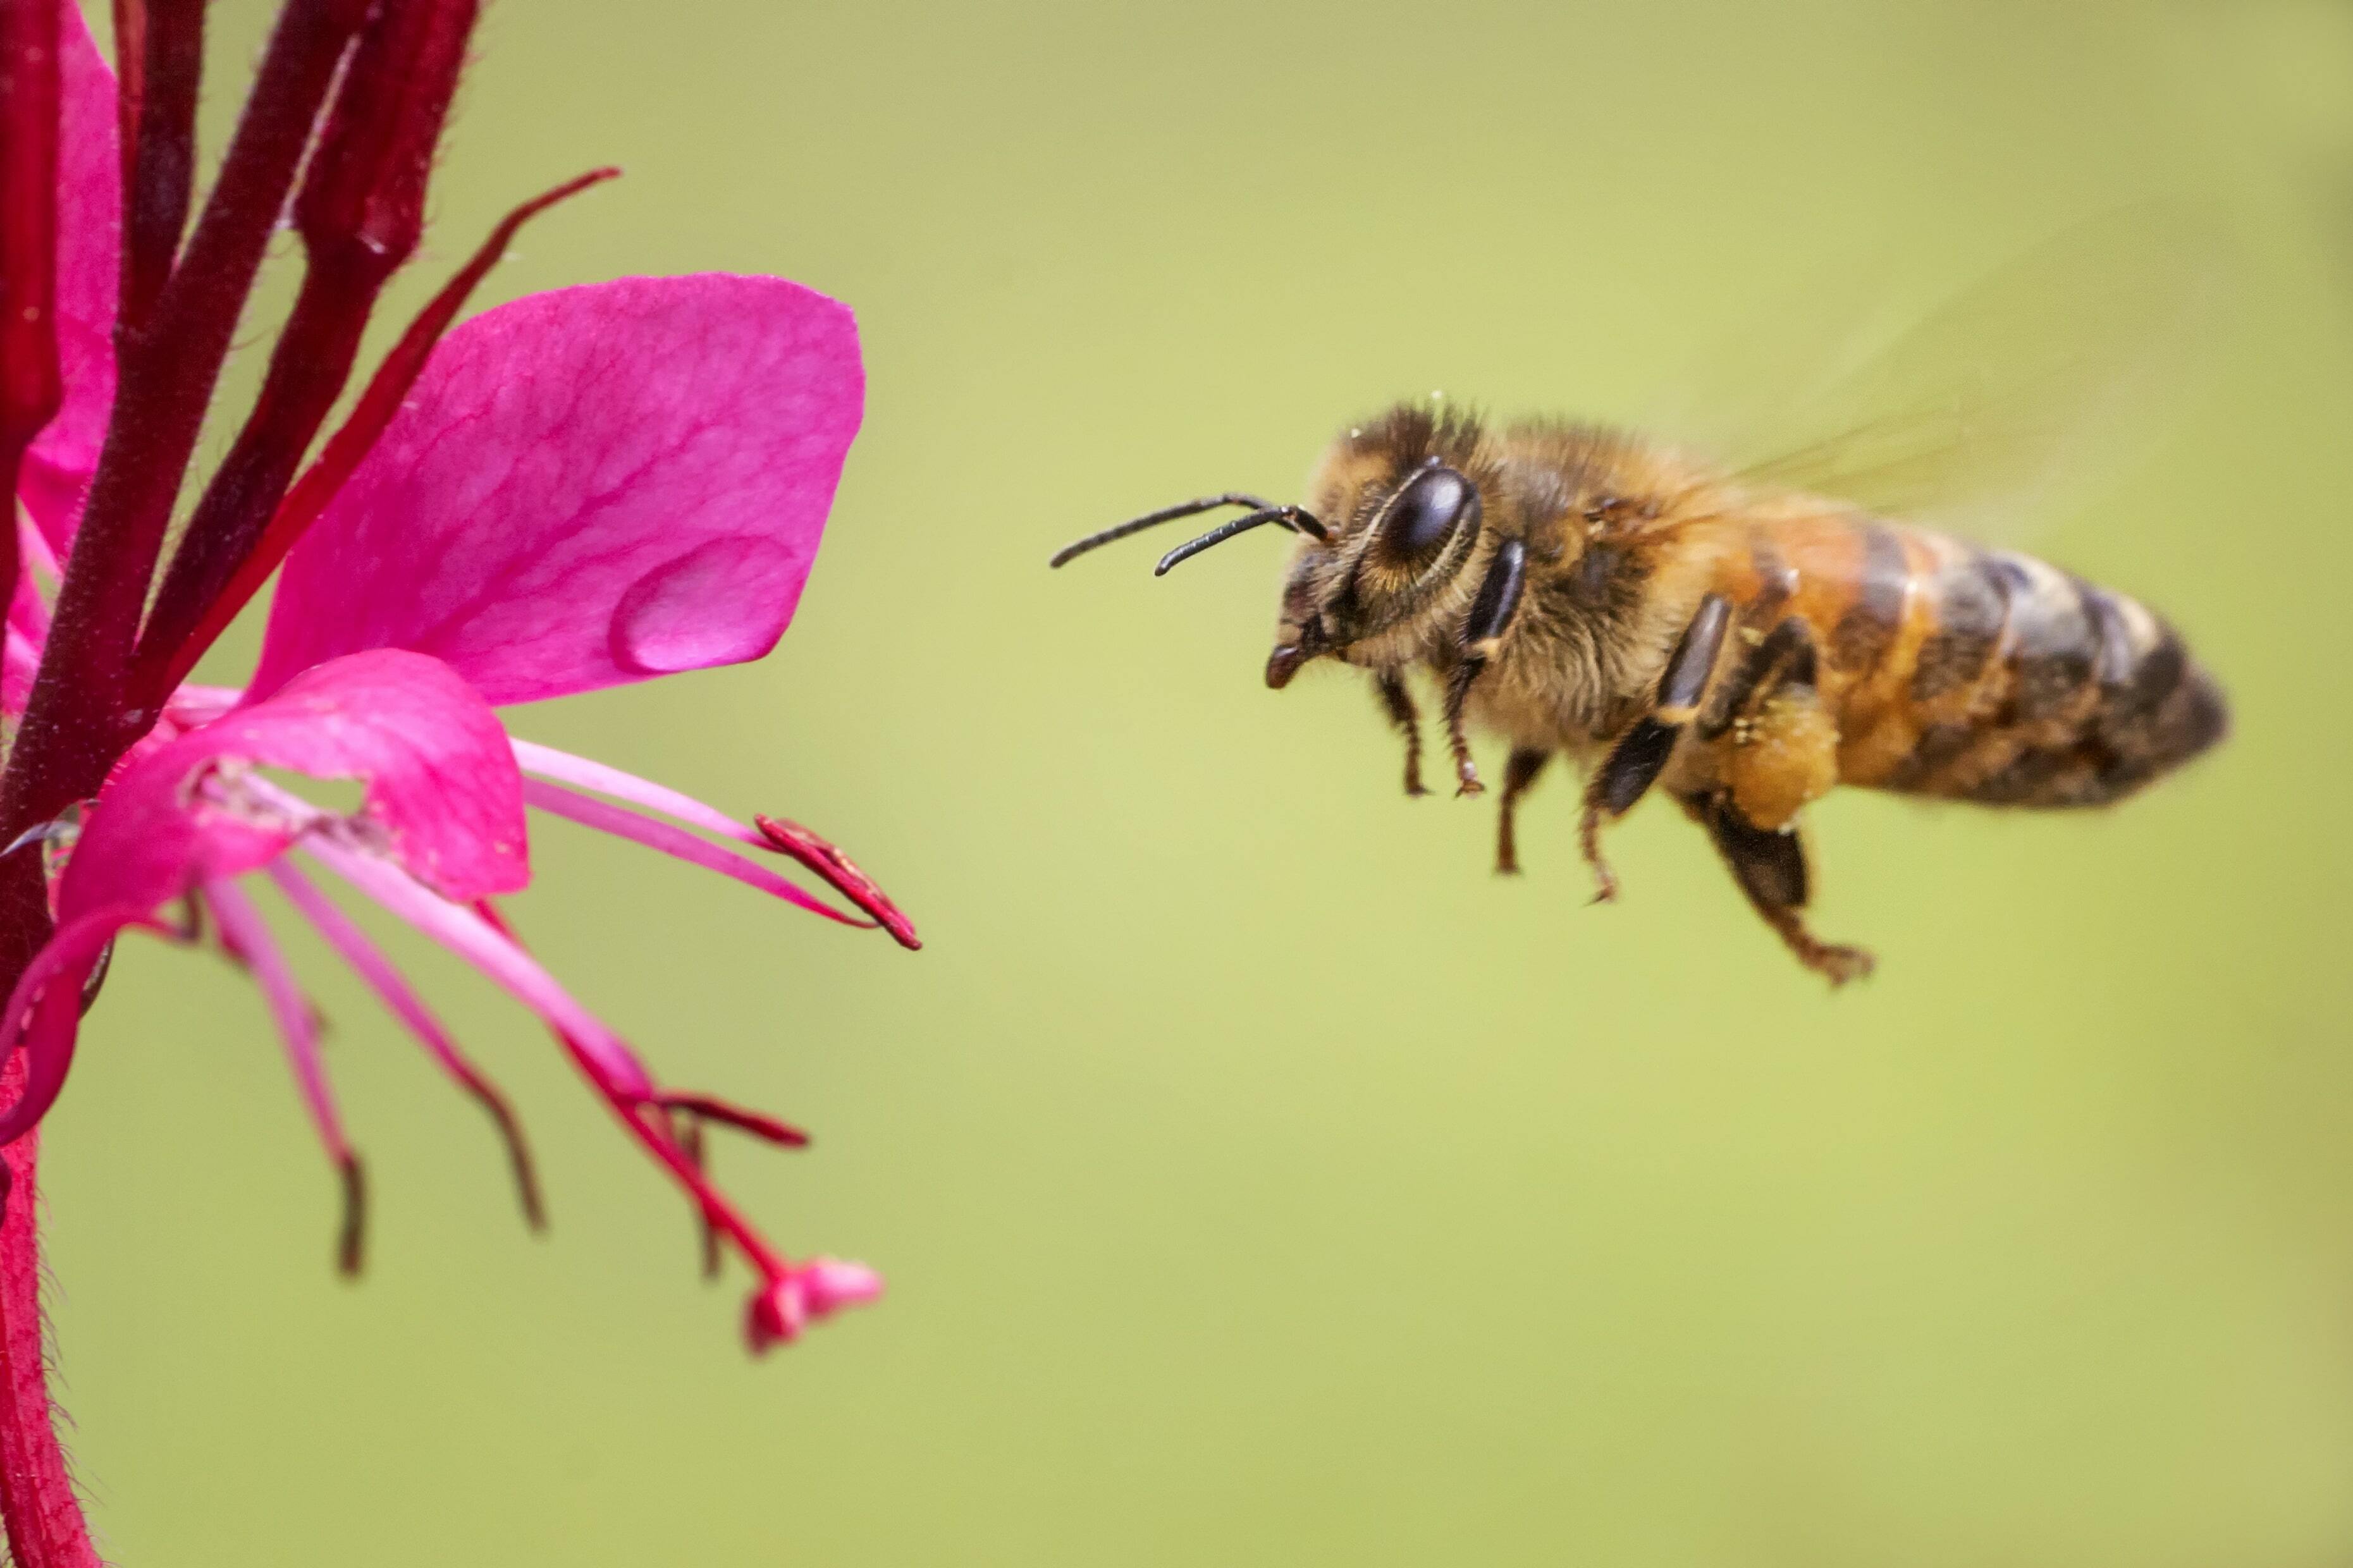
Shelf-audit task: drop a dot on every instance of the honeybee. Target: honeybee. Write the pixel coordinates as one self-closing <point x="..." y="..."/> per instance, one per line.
<point x="1744" y="639"/>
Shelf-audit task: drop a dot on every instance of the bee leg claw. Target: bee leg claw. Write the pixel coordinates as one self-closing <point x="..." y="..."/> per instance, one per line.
<point x="1588" y="842"/>
<point x="1841" y="964"/>
<point x="1834" y="963"/>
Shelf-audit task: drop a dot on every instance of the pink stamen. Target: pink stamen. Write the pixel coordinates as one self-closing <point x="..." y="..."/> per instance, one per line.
<point x="342" y="934"/>
<point x="242" y="927"/>
<point x="787" y="1297"/>
<point x="588" y="773"/>
<point x="676" y="843"/>
<point x="465" y="933"/>
<point x="775" y="835"/>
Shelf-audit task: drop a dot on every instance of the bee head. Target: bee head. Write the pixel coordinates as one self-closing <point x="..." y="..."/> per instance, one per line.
<point x="1404" y="501"/>
<point x="1397" y="508"/>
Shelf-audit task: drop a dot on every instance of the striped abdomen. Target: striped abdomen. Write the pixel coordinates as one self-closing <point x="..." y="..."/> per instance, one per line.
<point x="1980" y="675"/>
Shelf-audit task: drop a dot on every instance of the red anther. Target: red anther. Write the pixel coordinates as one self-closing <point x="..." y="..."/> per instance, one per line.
<point x="821" y="856"/>
<point x="759" y="1124"/>
<point x="163" y="664"/>
<point x="351" y="1238"/>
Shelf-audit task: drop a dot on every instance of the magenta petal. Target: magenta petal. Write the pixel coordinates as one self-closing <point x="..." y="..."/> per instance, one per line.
<point x="43" y="1013"/>
<point x="90" y="236"/>
<point x="589" y="487"/>
<point x="444" y="798"/>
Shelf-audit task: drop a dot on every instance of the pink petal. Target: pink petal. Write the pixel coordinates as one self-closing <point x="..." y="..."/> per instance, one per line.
<point x="342" y="934"/>
<point x="44" y="1012"/>
<point x="443" y="798"/>
<point x="589" y="487"/>
<point x="90" y="224"/>
<point x="443" y="793"/>
<point x="675" y="842"/>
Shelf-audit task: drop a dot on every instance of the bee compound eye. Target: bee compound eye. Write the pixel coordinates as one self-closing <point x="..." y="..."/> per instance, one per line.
<point x="1425" y="515"/>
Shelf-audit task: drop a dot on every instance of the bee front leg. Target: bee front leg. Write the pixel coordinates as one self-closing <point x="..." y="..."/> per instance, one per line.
<point x="1519" y="774"/>
<point x="1491" y="609"/>
<point x="1397" y="701"/>
<point x="1641" y="755"/>
<point x="1770" y="868"/>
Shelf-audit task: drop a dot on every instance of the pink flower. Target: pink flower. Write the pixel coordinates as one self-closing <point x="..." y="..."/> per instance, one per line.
<point x="591" y="487"/>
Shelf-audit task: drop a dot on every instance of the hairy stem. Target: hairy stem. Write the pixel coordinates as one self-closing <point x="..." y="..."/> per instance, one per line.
<point x="36" y="1496"/>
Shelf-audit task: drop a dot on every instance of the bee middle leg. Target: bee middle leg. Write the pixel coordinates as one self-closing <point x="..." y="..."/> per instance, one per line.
<point x="1521" y="773"/>
<point x="1641" y="755"/>
<point x="1770" y="867"/>
<point x="1397" y="701"/>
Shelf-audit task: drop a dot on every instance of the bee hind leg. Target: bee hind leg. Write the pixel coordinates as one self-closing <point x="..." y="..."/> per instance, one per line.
<point x="1770" y="868"/>
<point x="1522" y="771"/>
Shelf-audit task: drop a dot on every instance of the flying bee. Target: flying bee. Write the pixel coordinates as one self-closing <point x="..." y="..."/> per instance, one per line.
<point x="1743" y="639"/>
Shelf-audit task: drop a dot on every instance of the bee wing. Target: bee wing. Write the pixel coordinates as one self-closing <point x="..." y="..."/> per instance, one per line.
<point x="2011" y="400"/>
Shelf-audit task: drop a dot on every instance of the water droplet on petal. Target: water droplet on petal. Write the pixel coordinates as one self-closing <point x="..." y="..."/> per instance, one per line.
<point x="723" y="602"/>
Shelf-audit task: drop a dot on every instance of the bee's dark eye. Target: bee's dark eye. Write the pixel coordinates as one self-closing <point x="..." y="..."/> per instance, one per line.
<point x="1424" y="516"/>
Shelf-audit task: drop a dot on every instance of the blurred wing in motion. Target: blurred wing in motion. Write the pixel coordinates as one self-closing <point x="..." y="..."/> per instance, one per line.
<point x="2013" y="399"/>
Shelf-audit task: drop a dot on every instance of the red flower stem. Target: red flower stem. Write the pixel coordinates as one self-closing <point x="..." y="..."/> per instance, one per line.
<point x="46" y="1529"/>
<point x="160" y="665"/>
<point x="75" y="725"/>
<point x="160" y="50"/>
<point x="29" y="388"/>
<point x="37" y="1498"/>
<point x="74" y="730"/>
<point x="360" y="213"/>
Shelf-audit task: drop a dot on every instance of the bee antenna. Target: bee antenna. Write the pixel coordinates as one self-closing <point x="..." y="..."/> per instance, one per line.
<point x="1299" y="522"/>
<point x="1289" y="517"/>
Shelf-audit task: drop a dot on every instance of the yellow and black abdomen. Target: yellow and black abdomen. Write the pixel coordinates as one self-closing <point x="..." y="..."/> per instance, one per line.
<point x="1981" y="675"/>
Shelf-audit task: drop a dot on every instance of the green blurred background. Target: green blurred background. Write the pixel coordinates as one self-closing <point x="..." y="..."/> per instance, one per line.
<point x="1259" y="1180"/>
